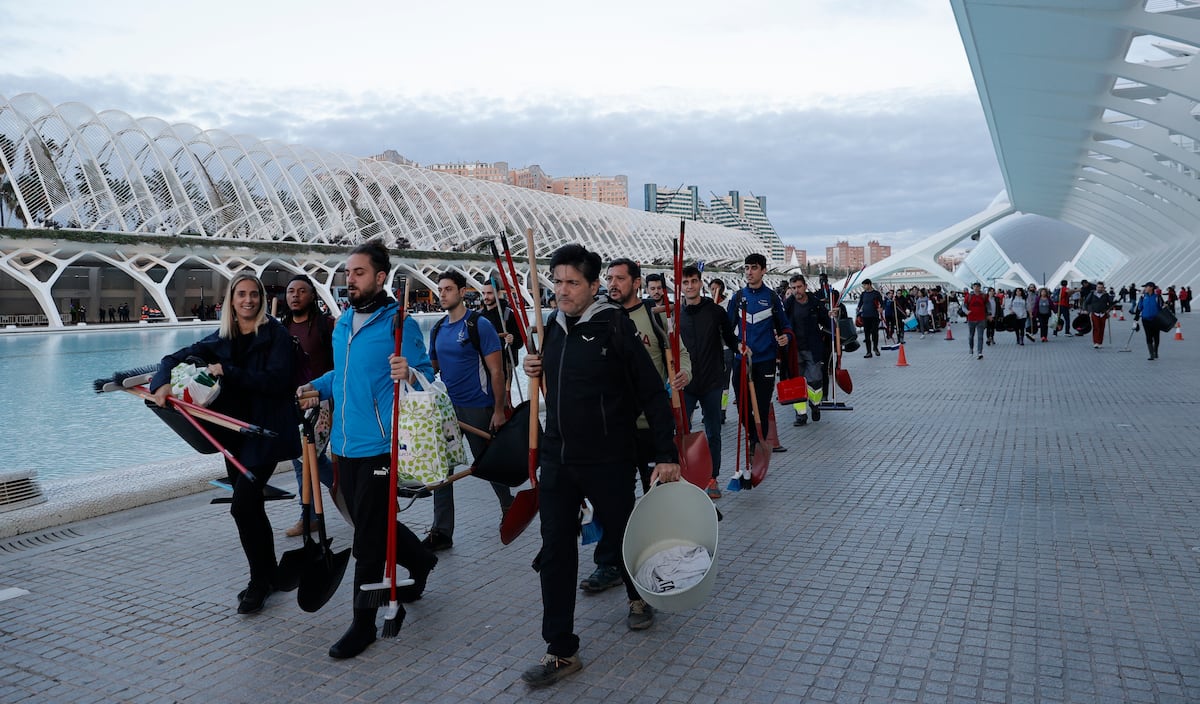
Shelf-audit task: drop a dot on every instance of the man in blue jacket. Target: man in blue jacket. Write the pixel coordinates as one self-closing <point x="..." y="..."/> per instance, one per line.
<point x="361" y="386"/>
<point x="767" y="328"/>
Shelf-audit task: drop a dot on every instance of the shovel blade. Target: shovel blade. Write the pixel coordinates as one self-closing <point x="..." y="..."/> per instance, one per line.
<point x="759" y="463"/>
<point x="520" y="514"/>
<point x="843" y="380"/>
<point x="321" y="579"/>
<point x="695" y="460"/>
<point x="291" y="566"/>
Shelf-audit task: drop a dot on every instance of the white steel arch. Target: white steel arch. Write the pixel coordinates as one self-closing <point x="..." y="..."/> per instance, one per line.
<point x="71" y="167"/>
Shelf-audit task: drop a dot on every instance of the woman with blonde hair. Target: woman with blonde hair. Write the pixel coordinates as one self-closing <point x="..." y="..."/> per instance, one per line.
<point x="254" y="357"/>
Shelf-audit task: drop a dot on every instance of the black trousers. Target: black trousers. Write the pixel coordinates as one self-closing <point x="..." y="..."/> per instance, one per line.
<point x="871" y="333"/>
<point x="608" y="548"/>
<point x="250" y="515"/>
<point x="561" y="492"/>
<point x="364" y="484"/>
<point x="1152" y="336"/>
<point x="762" y="375"/>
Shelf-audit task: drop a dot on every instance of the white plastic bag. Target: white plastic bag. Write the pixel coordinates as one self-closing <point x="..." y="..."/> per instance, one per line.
<point x="194" y="384"/>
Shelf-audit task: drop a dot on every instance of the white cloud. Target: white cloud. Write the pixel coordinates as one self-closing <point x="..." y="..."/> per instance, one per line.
<point x="853" y="117"/>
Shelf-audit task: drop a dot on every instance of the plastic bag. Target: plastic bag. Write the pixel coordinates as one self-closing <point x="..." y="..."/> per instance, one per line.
<point x="194" y="384"/>
<point x="430" y="440"/>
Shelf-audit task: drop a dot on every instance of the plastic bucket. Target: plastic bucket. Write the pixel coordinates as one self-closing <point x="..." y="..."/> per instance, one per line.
<point x="670" y="515"/>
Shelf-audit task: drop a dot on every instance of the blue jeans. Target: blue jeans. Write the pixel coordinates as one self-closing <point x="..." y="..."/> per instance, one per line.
<point x="975" y="330"/>
<point x="324" y="472"/>
<point x="710" y="411"/>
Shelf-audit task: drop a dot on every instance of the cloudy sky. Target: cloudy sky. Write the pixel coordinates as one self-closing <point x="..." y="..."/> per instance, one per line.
<point x="855" y="118"/>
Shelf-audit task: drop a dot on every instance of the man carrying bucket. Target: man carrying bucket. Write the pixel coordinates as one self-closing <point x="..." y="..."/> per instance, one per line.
<point x="599" y="378"/>
<point x="624" y="282"/>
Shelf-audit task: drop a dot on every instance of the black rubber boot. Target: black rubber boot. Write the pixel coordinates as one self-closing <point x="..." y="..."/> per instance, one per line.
<point x="355" y="640"/>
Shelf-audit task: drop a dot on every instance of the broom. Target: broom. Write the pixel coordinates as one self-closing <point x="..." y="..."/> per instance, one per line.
<point x="590" y="530"/>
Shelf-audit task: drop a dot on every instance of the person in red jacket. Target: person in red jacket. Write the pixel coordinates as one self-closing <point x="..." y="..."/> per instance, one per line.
<point x="1064" y="308"/>
<point x="977" y="316"/>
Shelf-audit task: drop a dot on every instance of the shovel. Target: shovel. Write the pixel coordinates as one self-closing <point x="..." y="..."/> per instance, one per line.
<point x="321" y="569"/>
<point x="761" y="460"/>
<point x="525" y="504"/>
<point x="695" y="458"/>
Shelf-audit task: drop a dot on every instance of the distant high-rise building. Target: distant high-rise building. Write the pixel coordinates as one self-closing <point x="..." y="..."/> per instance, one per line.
<point x="680" y="202"/>
<point x="496" y="172"/>
<point x="876" y="252"/>
<point x="395" y="157"/>
<point x="844" y="256"/>
<point x="531" y="177"/>
<point x="749" y="214"/>
<point x="613" y="190"/>
<point x="793" y="257"/>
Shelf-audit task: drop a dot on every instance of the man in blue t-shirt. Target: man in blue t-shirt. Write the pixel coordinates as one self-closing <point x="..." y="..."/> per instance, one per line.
<point x="466" y="350"/>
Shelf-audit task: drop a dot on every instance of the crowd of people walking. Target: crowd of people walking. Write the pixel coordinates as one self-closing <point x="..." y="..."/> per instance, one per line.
<point x="609" y="372"/>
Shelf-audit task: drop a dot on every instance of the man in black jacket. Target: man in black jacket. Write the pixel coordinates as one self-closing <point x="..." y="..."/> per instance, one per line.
<point x="501" y="316"/>
<point x="870" y="303"/>
<point x="599" y="378"/>
<point x="706" y="332"/>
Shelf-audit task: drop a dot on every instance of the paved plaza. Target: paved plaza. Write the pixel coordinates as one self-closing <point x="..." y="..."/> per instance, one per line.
<point x="1024" y="528"/>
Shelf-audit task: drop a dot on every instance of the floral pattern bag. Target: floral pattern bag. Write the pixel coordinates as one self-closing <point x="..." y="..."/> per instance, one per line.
<point x="431" y="442"/>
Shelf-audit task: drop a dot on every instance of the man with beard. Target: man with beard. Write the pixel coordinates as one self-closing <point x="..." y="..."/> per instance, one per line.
<point x="314" y="331"/>
<point x="471" y="367"/>
<point x="502" y="318"/>
<point x="360" y="385"/>
<point x="624" y="282"/>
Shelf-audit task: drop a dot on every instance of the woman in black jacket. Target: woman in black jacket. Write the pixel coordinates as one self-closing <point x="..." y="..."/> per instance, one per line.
<point x="254" y="357"/>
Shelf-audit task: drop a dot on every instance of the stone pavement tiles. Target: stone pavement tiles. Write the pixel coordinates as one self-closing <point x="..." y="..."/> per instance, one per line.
<point x="1018" y="529"/>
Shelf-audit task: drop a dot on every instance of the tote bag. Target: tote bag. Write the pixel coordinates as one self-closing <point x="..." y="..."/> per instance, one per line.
<point x="431" y="442"/>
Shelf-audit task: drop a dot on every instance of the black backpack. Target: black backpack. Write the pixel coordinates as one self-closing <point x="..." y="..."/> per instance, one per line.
<point x="472" y="319"/>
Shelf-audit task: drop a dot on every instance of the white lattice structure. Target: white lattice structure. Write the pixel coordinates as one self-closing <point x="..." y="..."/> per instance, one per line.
<point x="1093" y="111"/>
<point x="67" y="166"/>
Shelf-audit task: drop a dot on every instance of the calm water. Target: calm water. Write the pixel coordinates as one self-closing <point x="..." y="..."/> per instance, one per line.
<point x="58" y="426"/>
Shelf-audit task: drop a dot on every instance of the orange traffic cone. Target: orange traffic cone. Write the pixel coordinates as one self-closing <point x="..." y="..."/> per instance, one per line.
<point x="902" y="361"/>
<point x="1178" y="330"/>
<point x="949" y="335"/>
<point x="1122" y="316"/>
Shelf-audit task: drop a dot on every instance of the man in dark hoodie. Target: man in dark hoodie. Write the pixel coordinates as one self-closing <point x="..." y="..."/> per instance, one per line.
<point x="706" y="332"/>
<point x="599" y="378"/>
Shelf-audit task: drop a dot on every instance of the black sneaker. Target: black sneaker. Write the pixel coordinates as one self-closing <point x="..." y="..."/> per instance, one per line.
<point x="437" y="540"/>
<point x="641" y="615"/>
<point x="551" y="669"/>
<point x="801" y="419"/>
<point x="253" y="598"/>
<point x="816" y="411"/>
<point x="604" y="577"/>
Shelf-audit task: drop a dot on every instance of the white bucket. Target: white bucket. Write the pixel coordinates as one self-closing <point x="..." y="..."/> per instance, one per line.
<point x="671" y="515"/>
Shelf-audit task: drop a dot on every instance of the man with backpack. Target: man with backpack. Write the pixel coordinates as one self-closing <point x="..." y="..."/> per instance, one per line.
<point x="624" y="283"/>
<point x="313" y="331"/>
<point x="466" y="351"/>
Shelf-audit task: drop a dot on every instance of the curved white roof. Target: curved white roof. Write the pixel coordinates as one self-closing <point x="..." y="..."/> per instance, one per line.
<point x="1092" y="107"/>
<point x="69" y="166"/>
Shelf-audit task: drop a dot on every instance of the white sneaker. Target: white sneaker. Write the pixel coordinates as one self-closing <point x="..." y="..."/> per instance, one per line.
<point x="980" y="356"/>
